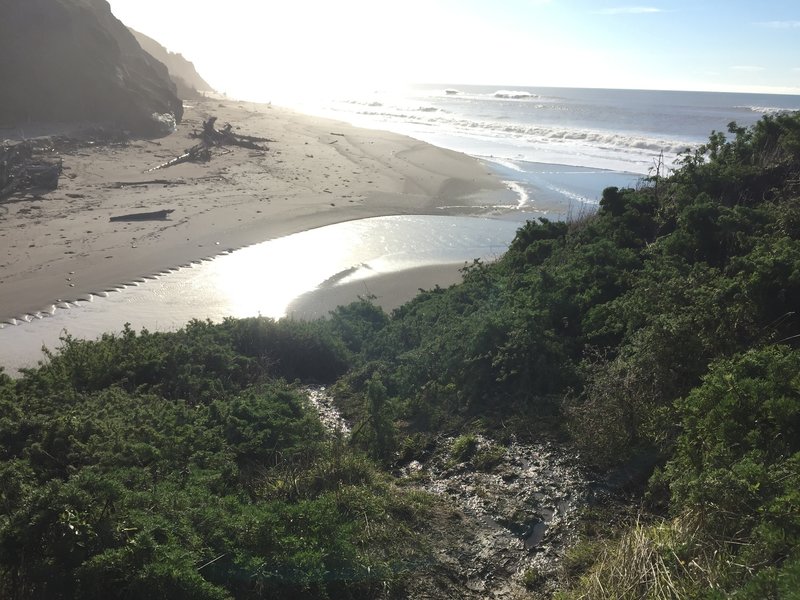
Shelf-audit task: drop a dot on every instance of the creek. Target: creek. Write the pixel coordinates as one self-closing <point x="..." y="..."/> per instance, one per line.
<point x="262" y="279"/>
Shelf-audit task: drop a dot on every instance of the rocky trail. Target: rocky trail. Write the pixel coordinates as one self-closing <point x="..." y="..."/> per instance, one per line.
<point x="511" y="511"/>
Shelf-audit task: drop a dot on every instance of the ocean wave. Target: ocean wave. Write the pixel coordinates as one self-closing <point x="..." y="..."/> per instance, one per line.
<point x="598" y="138"/>
<point x="514" y="95"/>
<point x="391" y="115"/>
<point x="766" y="110"/>
<point x="535" y="134"/>
<point x="372" y="103"/>
<point x="495" y="138"/>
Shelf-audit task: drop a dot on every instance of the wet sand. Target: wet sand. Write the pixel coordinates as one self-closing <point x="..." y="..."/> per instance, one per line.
<point x="387" y="290"/>
<point x="62" y="245"/>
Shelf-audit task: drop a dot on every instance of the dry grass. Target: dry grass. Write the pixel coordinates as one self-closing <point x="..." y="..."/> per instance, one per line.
<point x="667" y="561"/>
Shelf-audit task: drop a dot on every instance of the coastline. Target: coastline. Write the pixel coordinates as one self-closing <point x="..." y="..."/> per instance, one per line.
<point x="316" y="172"/>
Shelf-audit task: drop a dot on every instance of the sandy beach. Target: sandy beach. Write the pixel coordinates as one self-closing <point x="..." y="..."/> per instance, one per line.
<point x="316" y="172"/>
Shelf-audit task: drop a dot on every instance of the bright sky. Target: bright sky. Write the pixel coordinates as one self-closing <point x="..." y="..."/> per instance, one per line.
<point x="257" y="49"/>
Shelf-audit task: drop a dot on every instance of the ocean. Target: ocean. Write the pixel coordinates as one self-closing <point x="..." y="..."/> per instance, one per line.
<point x="558" y="148"/>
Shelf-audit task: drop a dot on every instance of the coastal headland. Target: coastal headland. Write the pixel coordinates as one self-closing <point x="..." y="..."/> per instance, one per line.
<point x="62" y="245"/>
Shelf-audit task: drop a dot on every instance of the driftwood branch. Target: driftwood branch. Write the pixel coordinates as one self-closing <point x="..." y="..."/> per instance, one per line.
<point x="211" y="137"/>
<point x="197" y="153"/>
<point x="123" y="184"/>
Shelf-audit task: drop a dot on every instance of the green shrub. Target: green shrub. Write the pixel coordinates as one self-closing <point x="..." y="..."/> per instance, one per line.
<point x="463" y="448"/>
<point x="737" y="461"/>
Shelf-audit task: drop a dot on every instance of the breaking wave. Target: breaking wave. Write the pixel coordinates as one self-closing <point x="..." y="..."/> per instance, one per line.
<point x="766" y="110"/>
<point x="603" y="140"/>
<point x="514" y="95"/>
<point x="372" y="103"/>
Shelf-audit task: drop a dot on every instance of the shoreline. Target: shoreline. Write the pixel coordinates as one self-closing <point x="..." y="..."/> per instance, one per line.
<point x="62" y="246"/>
<point x="389" y="290"/>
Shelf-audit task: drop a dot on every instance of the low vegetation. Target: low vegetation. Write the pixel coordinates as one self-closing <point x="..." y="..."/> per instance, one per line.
<point x="660" y="334"/>
<point x="182" y="466"/>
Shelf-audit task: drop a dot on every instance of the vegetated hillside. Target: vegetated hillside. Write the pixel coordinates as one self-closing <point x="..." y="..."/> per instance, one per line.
<point x="188" y="81"/>
<point x="72" y="60"/>
<point x="180" y="466"/>
<point x="661" y="331"/>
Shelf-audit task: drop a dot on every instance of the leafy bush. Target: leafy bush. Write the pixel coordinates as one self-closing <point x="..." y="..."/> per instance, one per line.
<point x="174" y="465"/>
<point x="737" y="462"/>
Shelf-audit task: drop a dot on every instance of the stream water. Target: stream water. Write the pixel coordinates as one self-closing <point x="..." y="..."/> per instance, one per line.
<point x="262" y="279"/>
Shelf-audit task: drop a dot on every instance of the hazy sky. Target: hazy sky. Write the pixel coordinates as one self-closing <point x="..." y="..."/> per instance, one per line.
<point x="259" y="48"/>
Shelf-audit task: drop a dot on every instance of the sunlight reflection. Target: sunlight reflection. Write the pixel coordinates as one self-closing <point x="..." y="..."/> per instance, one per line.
<point x="264" y="279"/>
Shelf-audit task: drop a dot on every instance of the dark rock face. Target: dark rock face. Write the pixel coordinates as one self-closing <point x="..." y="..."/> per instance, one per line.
<point x="183" y="73"/>
<point x="72" y="60"/>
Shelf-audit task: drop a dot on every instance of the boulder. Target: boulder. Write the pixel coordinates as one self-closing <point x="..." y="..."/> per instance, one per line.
<point x="73" y="61"/>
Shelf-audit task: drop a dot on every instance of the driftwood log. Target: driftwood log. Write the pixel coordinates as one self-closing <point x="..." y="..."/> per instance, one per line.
<point x="156" y="215"/>
<point x="211" y="137"/>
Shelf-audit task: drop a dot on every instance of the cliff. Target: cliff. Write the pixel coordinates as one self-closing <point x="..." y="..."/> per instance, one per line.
<point x="73" y="61"/>
<point x="183" y="72"/>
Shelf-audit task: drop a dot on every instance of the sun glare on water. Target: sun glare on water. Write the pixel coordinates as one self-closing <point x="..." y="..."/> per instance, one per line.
<point x="264" y="279"/>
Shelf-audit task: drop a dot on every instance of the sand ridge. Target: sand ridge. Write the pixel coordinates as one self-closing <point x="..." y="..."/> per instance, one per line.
<point x="316" y="172"/>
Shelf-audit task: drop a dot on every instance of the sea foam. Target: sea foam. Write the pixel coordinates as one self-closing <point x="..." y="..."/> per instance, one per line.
<point x="533" y="133"/>
<point x="514" y="95"/>
<point x="765" y="110"/>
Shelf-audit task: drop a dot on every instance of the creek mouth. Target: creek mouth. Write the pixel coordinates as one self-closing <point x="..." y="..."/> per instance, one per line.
<point x="502" y="519"/>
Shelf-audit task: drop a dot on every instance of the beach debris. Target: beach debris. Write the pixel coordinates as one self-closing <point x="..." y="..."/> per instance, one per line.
<point x="34" y="166"/>
<point x="123" y="184"/>
<point x="211" y="137"/>
<point x="226" y="137"/>
<point x="156" y="215"/>
<point x="24" y="169"/>
<point x="198" y="153"/>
